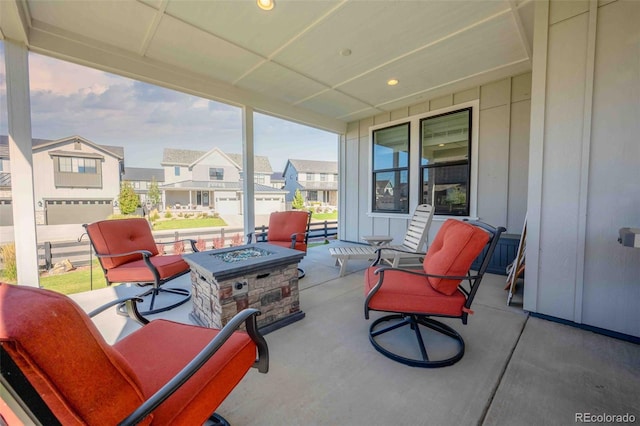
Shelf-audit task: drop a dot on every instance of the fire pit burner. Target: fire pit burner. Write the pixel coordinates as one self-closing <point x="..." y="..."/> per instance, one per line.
<point x="240" y="255"/>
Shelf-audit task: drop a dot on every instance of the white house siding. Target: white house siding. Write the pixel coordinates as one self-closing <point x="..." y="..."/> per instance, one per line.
<point x="585" y="169"/>
<point x="502" y="160"/>
<point x="200" y="171"/>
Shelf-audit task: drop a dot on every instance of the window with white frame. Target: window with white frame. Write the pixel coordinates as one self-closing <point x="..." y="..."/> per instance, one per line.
<point x="216" y="173"/>
<point x="77" y="165"/>
<point x="445" y="167"/>
<point x="390" y="173"/>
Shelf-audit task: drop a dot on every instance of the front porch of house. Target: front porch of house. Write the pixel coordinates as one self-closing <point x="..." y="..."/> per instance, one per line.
<point x="517" y="369"/>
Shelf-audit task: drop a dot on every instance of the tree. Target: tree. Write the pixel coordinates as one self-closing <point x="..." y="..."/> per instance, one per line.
<point x="128" y="199"/>
<point x="154" y="194"/>
<point x="298" y="201"/>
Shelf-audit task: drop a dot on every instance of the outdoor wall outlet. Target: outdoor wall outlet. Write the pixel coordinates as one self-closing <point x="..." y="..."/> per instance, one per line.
<point x="240" y="287"/>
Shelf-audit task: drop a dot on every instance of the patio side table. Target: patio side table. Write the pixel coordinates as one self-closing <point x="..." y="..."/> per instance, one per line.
<point x="378" y="240"/>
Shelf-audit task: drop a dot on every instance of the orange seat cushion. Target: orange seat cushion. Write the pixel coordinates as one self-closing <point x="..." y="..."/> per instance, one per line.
<point x="138" y="271"/>
<point x="405" y="292"/>
<point x="81" y="378"/>
<point x="282" y="225"/>
<point x="200" y="396"/>
<point x="121" y="236"/>
<point x="452" y="252"/>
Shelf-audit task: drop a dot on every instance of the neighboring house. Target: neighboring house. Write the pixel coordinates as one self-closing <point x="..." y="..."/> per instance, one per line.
<point x="277" y="180"/>
<point x="75" y="180"/>
<point x="213" y="180"/>
<point x="316" y="180"/>
<point x="141" y="179"/>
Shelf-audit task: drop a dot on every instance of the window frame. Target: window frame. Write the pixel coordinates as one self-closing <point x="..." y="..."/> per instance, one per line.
<point x="218" y="174"/>
<point x="441" y="166"/>
<point x="414" y="160"/>
<point x="373" y="173"/>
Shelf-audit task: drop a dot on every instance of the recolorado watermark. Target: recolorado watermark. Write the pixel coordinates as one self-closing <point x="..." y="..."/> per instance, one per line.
<point x="604" y="418"/>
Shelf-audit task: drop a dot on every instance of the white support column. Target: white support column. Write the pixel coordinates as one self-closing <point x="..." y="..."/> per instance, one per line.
<point x="21" y="160"/>
<point x="248" y="188"/>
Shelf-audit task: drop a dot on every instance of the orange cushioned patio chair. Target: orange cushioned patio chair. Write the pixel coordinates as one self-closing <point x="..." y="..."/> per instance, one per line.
<point x="289" y="229"/>
<point x="58" y="369"/>
<point x="414" y="297"/>
<point x="128" y="254"/>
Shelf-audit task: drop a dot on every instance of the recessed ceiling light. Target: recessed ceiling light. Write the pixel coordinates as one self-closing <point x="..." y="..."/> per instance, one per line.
<point x="440" y="144"/>
<point x="266" y="4"/>
<point x="345" y="52"/>
<point x="392" y="82"/>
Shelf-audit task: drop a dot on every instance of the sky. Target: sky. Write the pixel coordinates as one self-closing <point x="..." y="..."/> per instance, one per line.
<point x="69" y="99"/>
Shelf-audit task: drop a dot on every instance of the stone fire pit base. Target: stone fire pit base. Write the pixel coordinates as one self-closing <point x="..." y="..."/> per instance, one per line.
<point x="273" y="290"/>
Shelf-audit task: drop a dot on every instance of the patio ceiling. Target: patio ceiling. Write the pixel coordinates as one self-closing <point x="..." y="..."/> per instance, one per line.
<point x="289" y="62"/>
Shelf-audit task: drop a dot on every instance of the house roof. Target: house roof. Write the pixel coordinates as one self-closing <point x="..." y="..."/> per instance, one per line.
<point x="143" y="174"/>
<point x="186" y="157"/>
<point x="39" y="144"/>
<point x="277" y="176"/>
<point x="314" y="166"/>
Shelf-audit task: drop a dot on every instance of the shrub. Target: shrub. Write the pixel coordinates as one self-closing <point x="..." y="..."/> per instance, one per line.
<point x="236" y="240"/>
<point x="218" y="243"/>
<point x="154" y="215"/>
<point x="167" y="214"/>
<point x="201" y="244"/>
<point x="178" y="247"/>
<point x="8" y="255"/>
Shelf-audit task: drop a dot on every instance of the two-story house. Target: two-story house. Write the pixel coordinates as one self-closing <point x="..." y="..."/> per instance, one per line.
<point x="213" y="180"/>
<point x="316" y="180"/>
<point x="141" y="179"/>
<point x="75" y="180"/>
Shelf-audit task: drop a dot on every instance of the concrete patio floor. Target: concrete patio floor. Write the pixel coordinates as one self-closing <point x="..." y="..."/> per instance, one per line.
<point x="517" y="369"/>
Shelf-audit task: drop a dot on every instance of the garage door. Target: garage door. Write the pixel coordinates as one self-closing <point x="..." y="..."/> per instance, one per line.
<point x="6" y="213"/>
<point x="227" y="205"/>
<point x="59" y="212"/>
<point x="267" y="205"/>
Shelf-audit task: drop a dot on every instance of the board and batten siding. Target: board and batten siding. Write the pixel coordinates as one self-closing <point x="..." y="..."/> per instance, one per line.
<point x="503" y="150"/>
<point x="585" y="164"/>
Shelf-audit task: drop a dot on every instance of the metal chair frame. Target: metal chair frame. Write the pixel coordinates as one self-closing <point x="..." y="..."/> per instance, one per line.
<point x="415" y="319"/>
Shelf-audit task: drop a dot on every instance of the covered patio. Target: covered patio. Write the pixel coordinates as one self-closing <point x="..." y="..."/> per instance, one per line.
<point x="550" y="92"/>
<point x="517" y="369"/>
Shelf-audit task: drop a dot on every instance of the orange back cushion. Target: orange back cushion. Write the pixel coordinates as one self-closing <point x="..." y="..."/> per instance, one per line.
<point x="121" y="236"/>
<point x="452" y="252"/>
<point x="283" y="224"/>
<point x="80" y="377"/>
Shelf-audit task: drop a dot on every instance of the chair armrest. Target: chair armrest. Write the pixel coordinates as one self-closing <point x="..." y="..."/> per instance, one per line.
<point x="248" y="316"/>
<point x="144" y="253"/>
<point x="379" y="251"/>
<point x="132" y="308"/>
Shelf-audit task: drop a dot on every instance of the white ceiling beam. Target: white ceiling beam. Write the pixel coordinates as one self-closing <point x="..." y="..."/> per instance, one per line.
<point x="15" y="20"/>
<point x="521" y="32"/>
<point x="151" y="31"/>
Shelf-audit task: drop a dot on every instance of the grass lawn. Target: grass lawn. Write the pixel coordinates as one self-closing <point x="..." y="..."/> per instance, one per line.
<point x="325" y="216"/>
<point x="188" y="223"/>
<point x="76" y="281"/>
